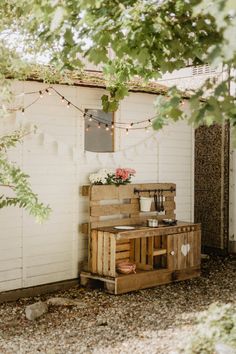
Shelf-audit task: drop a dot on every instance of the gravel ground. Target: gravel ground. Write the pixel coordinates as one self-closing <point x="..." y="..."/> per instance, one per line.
<point x="150" y="321"/>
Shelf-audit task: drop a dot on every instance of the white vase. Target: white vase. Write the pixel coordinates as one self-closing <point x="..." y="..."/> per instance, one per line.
<point x="145" y="203"/>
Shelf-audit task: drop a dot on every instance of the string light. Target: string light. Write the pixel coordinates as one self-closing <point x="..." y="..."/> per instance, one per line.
<point x="87" y="129"/>
<point x="108" y="125"/>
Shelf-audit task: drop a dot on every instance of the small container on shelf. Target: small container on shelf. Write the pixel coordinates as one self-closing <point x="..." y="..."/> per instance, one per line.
<point x="125" y="267"/>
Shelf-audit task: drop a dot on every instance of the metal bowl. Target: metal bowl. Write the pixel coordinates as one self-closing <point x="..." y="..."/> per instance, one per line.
<point x="152" y="222"/>
<point x="169" y="221"/>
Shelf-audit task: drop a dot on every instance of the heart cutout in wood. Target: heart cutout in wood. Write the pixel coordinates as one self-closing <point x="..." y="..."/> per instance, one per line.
<point x="185" y="249"/>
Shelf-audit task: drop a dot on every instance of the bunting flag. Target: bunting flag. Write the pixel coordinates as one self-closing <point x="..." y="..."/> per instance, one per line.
<point x="73" y="152"/>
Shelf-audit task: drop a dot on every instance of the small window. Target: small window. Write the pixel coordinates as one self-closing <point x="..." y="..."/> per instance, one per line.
<point x="99" y="131"/>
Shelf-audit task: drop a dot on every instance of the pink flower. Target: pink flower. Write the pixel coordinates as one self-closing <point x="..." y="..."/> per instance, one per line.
<point x="131" y="171"/>
<point x="124" y="173"/>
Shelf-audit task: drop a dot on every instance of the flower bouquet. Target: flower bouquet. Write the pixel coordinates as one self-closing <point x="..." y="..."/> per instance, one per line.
<point x="123" y="175"/>
<point x="117" y="177"/>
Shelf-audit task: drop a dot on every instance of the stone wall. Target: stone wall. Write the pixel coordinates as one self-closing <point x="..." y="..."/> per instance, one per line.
<point x="212" y="185"/>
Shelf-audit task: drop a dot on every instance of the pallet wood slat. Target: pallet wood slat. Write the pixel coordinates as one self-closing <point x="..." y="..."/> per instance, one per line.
<point x="159" y="252"/>
<point x="128" y="221"/>
<point x="112" y="256"/>
<point x="100" y="252"/>
<point x="123" y="247"/>
<point x="106" y="252"/>
<point x="94" y="244"/>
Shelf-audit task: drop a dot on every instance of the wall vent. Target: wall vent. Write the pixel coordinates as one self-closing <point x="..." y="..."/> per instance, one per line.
<point x="202" y="69"/>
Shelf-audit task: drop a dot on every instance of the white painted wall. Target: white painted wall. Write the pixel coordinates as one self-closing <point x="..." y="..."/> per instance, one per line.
<point x="33" y="254"/>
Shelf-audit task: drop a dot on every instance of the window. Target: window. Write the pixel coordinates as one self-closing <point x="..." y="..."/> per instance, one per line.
<point x="98" y="135"/>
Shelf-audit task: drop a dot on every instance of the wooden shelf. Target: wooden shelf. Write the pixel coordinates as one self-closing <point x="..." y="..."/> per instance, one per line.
<point x="159" y="251"/>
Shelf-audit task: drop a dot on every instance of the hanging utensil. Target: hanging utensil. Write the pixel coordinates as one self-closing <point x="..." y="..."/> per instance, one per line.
<point x="162" y="202"/>
<point x="158" y="201"/>
<point x="155" y="200"/>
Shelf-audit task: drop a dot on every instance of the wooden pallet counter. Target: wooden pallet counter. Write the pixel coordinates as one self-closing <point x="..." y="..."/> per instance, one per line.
<point x="162" y="254"/>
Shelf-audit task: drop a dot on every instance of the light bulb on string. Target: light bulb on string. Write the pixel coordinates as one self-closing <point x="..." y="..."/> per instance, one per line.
<point x="87" y="129"/>
<point x="131" y="124"/>
<point x="63" y="98"/>
<point x="90" y="117"/>
<point x="112" y="125"/>
<point x="149" y="120"/>
<point x="127" y="131"/>
<point x="68" y="104"/>
<point x="48" y="91"/>
<point x="99" y="125"/>
<point x="23" y="111"/>
<point x="40" y="94"/>
<point x="106" y="127"/>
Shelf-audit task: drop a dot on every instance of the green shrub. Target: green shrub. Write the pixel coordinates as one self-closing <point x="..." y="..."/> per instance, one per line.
<point x="216" y="325"/>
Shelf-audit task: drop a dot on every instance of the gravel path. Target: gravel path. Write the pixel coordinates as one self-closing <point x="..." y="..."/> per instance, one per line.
<point x="149" y="321"/>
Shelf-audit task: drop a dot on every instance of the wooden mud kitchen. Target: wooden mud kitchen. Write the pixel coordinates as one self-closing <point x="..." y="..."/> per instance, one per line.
<point x="118" y="232"/>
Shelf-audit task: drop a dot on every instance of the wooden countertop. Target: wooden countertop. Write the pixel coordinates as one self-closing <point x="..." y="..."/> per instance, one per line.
<point x="145" y="231"/>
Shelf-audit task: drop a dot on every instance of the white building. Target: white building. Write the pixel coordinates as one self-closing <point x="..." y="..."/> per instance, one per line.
<point x="32" y="254"/>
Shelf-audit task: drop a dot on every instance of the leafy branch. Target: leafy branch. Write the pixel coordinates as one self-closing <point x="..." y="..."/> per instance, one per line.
<point x="12" y="177"/>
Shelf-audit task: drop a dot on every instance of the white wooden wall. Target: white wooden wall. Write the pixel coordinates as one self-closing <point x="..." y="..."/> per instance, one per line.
<point x="33" y="254"/>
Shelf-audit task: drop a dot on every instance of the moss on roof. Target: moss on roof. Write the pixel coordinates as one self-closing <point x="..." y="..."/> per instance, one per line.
<point x="86" y="78"/>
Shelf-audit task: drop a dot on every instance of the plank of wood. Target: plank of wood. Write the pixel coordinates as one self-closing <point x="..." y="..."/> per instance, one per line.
<point x="132" y="250"/>
<point x="143" y="251"/>
<point x="113" y="209"/>
<point x="164" y="246"/>
<point x="129" y="221"/>
<point x="187" y="273"/>
<point x="123" y="247"/>
<point x="106" y="251"/>
<point x="159" y="252"/>
<point x="142" y="280"/>
<point x="112" y="271"/>
<point x="150" y="244"/>
<point x="85" y="190"/>
<point x="137" y="251"/>
<point x="191" y="258"/>
<point x="84" y="228"/>
<point x="106" y="192"/>
<point x="122" y="255"/>
<point x="100" y="252"/>
<point x="94" y="250"/>
<point x="196" y="239"/>
<point x="121" y="242"/>
<point x="181" y="257"/>
<point x="170" y="254"/>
